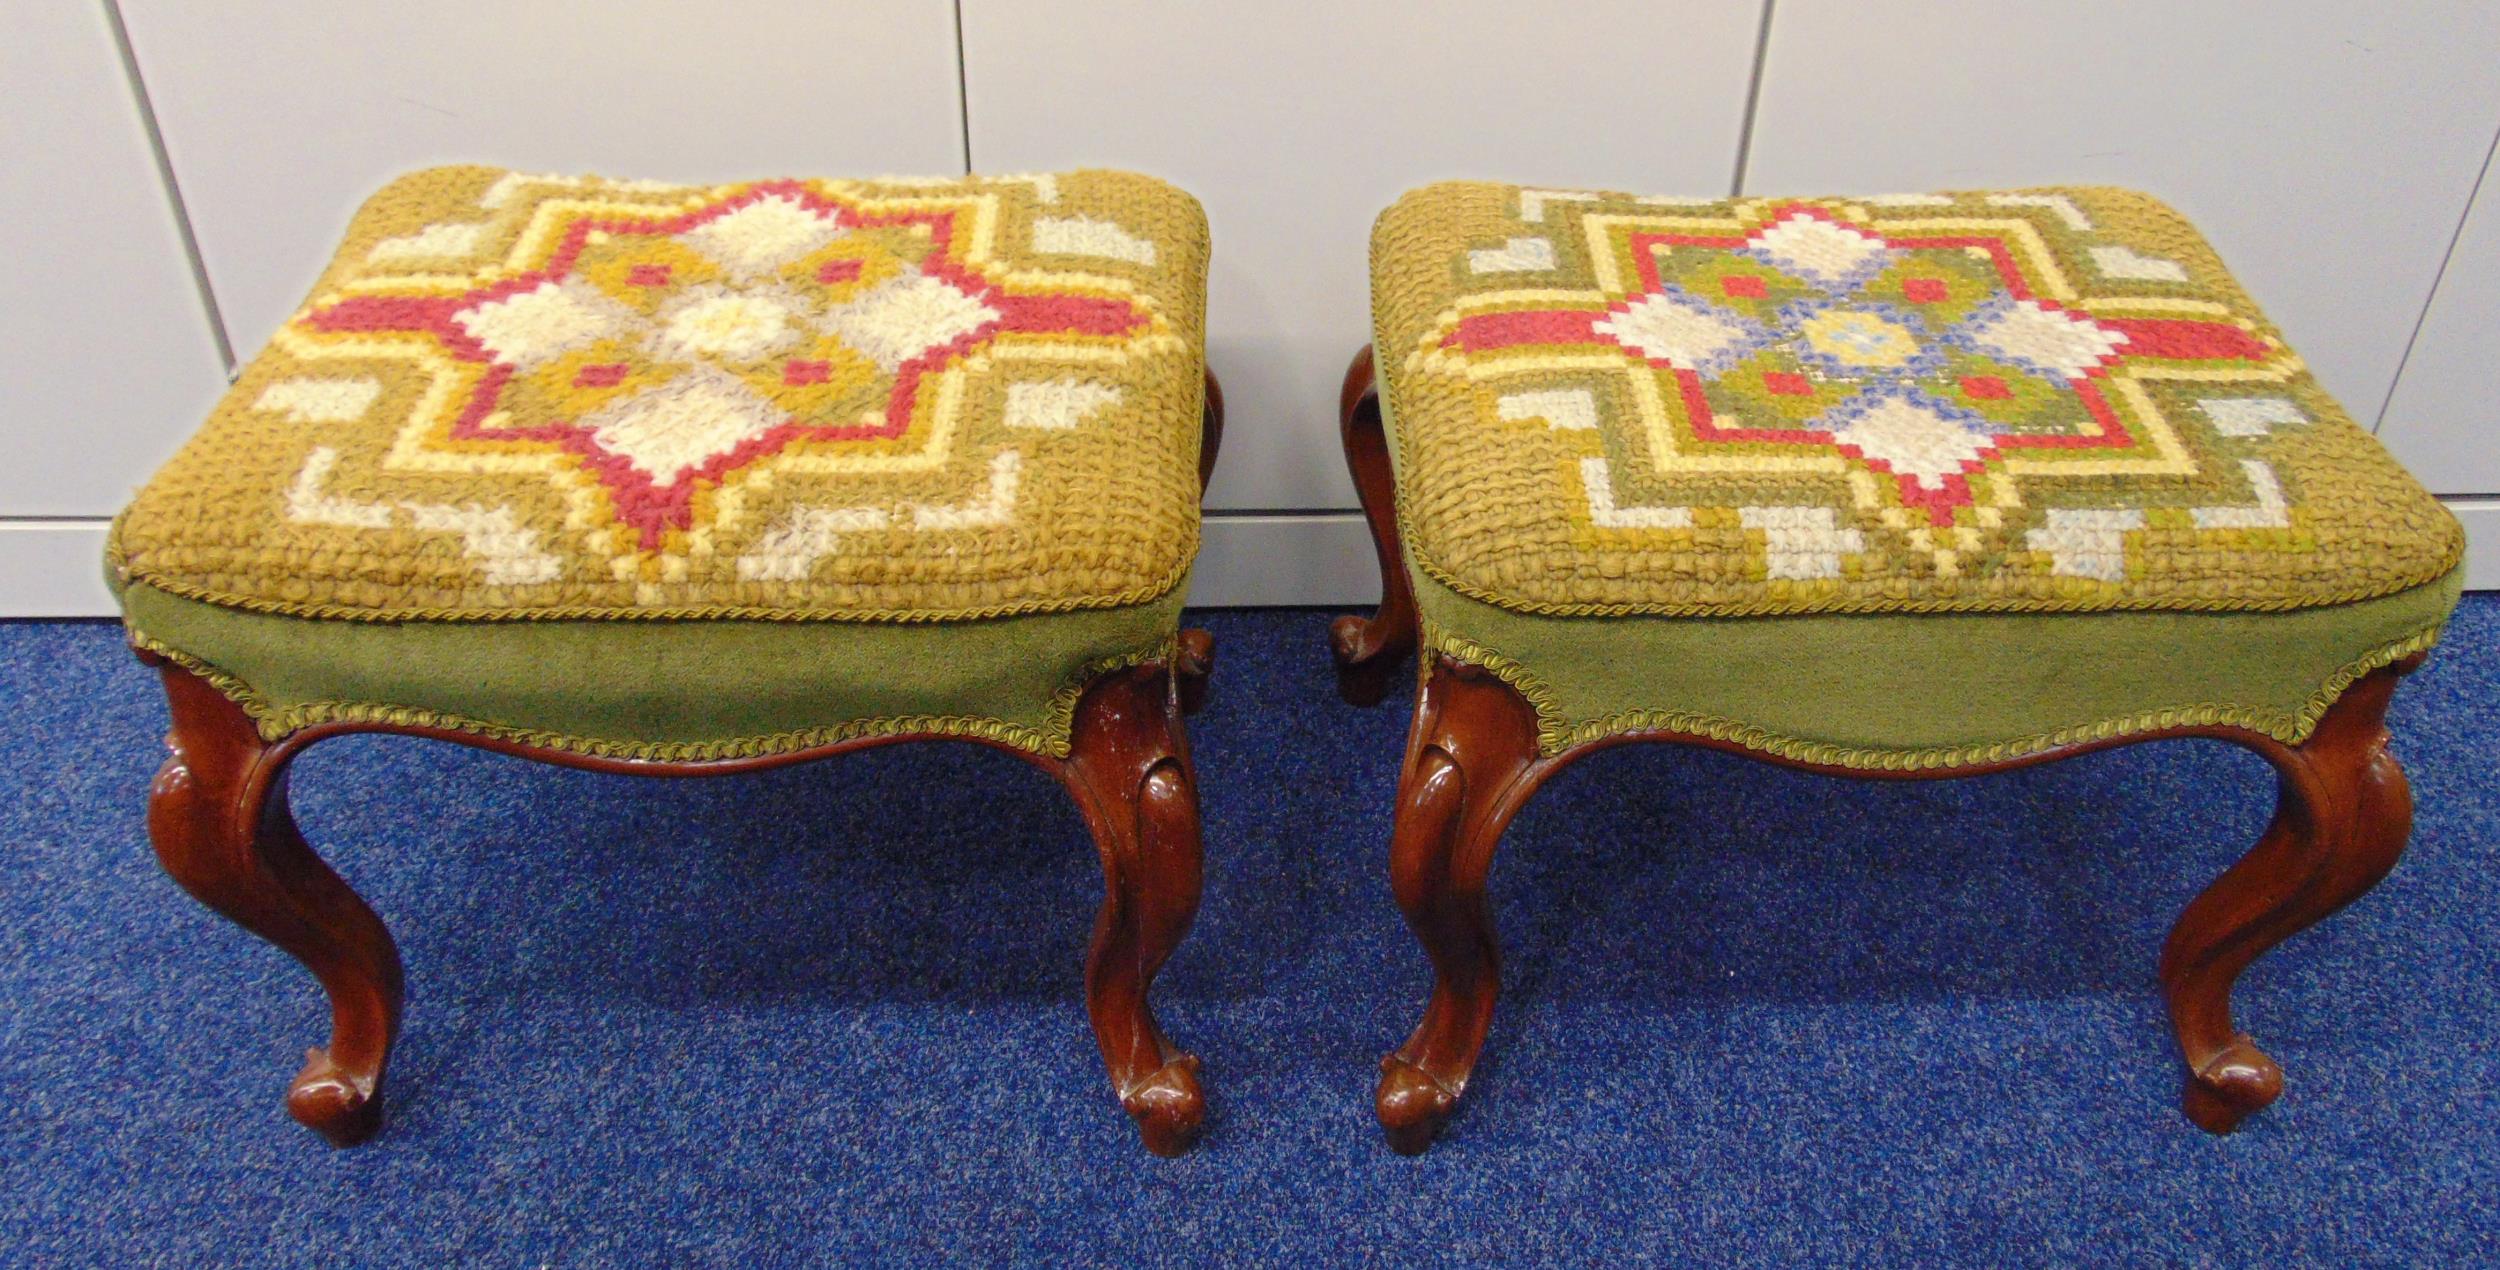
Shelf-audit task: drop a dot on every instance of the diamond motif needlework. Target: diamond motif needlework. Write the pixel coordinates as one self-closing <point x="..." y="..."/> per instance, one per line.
<point x="2035" y="399"/>
<point x="512" y="395"/>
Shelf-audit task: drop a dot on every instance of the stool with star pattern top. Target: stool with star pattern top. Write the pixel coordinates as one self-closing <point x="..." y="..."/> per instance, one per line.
<point x="1913" y="486"/>
<point x="682" y="480"/>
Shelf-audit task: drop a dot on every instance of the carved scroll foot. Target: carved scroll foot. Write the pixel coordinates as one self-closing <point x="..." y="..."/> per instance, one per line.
<point x="1168" y="1107"/>
<point x="1471" y="763"/>
<point x="1412" y="1105"/>
<point x="342" y="1105"/>
<point x="1128" y="769"/>
<point x="218" y="816"/>
<point x="1369" y="650"/>
<point x="2341" y="820"/>
<point x="2235" y="1084"/>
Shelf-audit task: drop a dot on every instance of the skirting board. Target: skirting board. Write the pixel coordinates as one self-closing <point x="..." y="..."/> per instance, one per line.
<point x="55" y="568"/>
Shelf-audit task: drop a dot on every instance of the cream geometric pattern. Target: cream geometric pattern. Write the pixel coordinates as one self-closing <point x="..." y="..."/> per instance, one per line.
<point x="2058" y="203"/>
<point x="1574" y="408"/>
<point x="1519" y="255"/>
<point x="1084" y="236"/>
<point x="506" y="553"/>
<point x="434" y="242"/>
<point x="1056" y="405"/>
<point x="1799" y="542"/>
<point x="2120" y="261"/>
<point x="313" y="399"/>
<point x="2250" y="416"/>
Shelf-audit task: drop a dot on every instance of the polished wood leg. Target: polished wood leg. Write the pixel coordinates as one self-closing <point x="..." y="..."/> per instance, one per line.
<point x="1210" y="431"/>
<point x="1129" y="771"/>
<point x="1369" y="650"/>
<point x="1193" y="662"/>
<point x="1195" y="659"/>
<point x="2341" y="818"/>
<point x="218" y="815"/>
<point x="1471" y="763"/>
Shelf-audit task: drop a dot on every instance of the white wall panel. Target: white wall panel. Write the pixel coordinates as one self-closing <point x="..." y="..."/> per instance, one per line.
<point x="281" y="115"/>
<point x="1248" y="561"/>
<point x="2327" y="147"/>
<point x="2444" y="418"/>
<point x="2481" y="517"/>
<point x="106" y="356"/>
<point x="53" y="568"/>
<point x="1297" y="122"/>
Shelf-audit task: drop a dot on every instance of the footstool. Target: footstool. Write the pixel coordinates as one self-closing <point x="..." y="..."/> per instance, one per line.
<point x="1914" y="486"/>
<point x="681" y="480"/>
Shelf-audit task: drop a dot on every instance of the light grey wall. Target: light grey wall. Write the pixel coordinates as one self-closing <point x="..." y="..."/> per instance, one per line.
<point x="2335" y="152"/>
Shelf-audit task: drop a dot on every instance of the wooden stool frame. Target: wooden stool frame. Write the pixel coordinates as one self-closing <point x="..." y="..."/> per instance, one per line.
<point x="218" y="816"/>
<point x="2341" y="820"/>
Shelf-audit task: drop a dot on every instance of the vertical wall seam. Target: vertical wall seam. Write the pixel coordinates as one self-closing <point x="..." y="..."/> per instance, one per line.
<point x="1753" y="103"/>
<point x="200" y="283"/>
<point x="2422" y="319"/>
<point x="963" y="88"/>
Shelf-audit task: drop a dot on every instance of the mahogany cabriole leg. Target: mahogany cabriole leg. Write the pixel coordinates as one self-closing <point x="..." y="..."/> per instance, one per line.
<point x="1471" y="763"/>
<point x="2341" y="819"/>
<point x="1195" y="659"/>
<point x="1369" y="650"/>
<point x="1128" y="768"/>
<point x="218" y="815"/>
<point x="1210" y="431"/>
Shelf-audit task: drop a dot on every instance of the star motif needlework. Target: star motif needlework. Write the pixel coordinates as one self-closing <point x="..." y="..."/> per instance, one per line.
<point x="527" y="395"/>
<point x="1839" y="403"/>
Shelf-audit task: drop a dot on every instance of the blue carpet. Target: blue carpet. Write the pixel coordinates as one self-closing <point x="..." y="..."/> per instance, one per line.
<point x="832" y="1012"/>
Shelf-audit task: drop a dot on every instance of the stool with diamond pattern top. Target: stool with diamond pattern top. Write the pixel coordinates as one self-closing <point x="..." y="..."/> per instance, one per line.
<point x="680" y="480"/>
<point x="1911" y="486"/>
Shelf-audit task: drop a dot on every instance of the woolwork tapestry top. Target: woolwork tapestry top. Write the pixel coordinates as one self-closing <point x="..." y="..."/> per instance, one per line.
<point x="524" y="396"/>
<point x="2048" y="399"/>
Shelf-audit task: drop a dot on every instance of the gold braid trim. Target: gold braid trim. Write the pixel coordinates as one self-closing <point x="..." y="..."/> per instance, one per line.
<point x="1049" y="741"/>
<point x="1555" y="734"/>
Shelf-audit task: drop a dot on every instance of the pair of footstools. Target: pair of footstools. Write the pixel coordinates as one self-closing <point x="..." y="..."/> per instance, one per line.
<point x="674" y="480"/>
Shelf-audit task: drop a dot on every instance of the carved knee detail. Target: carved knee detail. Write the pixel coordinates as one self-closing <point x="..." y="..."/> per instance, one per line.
<point x="1129" y="771"/>
<point x="1472" y="762"/>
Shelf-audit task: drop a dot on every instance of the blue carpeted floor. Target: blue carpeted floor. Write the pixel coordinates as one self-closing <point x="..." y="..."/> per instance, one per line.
<point x="832" y="1012"/>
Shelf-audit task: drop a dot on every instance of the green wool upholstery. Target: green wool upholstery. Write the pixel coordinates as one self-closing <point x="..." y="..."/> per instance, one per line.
<point x="686" y="691"/>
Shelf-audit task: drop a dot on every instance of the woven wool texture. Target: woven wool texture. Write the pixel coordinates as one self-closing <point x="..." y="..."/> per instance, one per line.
<point x="527" y="396"/>
<point x="2051" y="399"/>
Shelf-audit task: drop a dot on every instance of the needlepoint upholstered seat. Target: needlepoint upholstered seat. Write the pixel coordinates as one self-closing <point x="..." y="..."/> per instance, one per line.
<point x="1925" y="484"/>
<point x="692" y="478"/>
